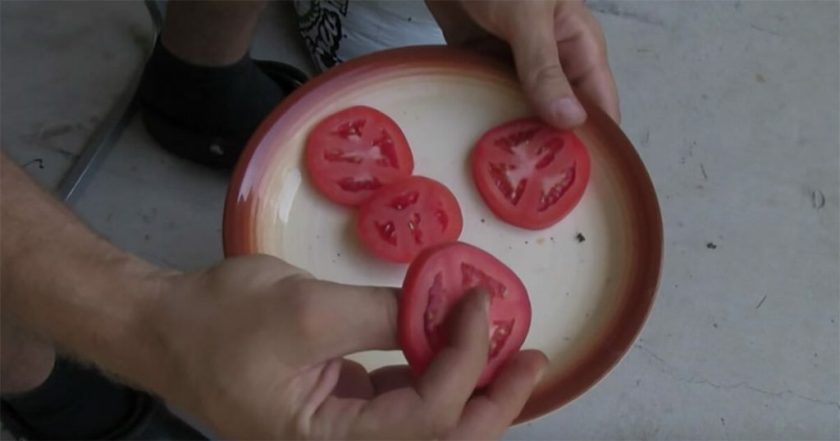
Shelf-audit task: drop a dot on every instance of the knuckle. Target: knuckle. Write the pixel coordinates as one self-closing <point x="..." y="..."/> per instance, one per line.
<point x="440" y="420"/>
<point x="597" y="30"/>
<point x="300" y="427"/>
<point x="442" y="431"/>
<point x="597" y="49"/>
<point x="593" y="35"/>
<point x="302" y="307"/>
<point x="548" y="75"/>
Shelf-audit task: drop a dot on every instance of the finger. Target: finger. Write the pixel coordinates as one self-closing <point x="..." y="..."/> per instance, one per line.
<point x="334" y="319"/>
<point x="543" y="79"/>
<point x="450" y="379"/>
<point x="388" y="378"/>
<point x="491" y="47"/>
<point x="583" y="54"/>
<point x="489" y="415"/>
<point x="598" y="86"/>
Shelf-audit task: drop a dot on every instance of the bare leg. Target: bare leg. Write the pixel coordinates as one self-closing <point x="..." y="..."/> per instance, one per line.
<point x="210" y="33"/>
<point x="25" y="361"/>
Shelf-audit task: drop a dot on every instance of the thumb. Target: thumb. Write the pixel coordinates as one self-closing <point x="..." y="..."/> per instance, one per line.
<point x="336" y="319"/>
<point x="538" y="64"/>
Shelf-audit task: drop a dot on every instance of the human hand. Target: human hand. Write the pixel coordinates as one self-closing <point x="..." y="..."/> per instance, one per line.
<point x="558" y="48"/>
<point x="254" y="346"/>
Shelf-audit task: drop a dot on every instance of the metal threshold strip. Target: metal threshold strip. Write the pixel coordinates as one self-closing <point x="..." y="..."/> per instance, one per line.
<point x="108" y="131"/>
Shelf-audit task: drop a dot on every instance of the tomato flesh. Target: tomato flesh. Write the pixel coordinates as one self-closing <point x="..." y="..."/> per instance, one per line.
<point x="530" y="174"/>
<point x="437" y="280"/>
<point x="403" y="218"/>
<point x="354" y="152"/>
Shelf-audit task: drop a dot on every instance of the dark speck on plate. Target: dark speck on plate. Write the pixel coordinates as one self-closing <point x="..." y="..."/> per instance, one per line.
<point x="711" y="245"/>
<point x="580" y="238"/>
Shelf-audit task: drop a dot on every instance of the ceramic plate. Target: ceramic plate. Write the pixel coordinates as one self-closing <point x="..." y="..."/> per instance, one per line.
<point x="591" y="277"/>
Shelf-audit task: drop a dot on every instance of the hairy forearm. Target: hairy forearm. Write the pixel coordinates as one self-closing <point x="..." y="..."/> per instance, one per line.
<point x="65" y="284"/>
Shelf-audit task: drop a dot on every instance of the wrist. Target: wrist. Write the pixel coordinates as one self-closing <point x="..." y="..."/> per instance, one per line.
<point x="162" y="362"/>
<point x="131" y="345"/>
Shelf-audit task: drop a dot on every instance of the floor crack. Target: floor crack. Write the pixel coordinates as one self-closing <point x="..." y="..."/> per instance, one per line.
<point x="666" y="368"/>
<point x="618" y="10"/>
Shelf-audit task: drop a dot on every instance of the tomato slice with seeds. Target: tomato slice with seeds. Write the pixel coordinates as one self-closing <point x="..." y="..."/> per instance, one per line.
<point x="403" y="218"/>
<point x="352" y="153"/>
<point x="530" y="174"/>
<point x="435" y="282"/>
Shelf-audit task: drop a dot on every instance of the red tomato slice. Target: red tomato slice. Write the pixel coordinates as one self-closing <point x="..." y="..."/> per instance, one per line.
<point x="352" y="153"/>
<point x="434" y="283"/>
<point x="407" y="216"/>
<point x="530" y="174"/>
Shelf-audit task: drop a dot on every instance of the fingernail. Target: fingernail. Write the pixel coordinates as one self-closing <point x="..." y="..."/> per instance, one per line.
<point x="568" y="109"/>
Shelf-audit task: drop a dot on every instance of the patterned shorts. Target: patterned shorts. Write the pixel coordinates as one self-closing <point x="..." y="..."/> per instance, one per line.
<point x="338" y="30"/>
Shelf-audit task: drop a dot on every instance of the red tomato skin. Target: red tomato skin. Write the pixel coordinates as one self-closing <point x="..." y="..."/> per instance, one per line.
<point x="416" y="347"/>
<point x="519" y="216"/>
<point x="321" y="174"/>
<point x="367" y="215"/>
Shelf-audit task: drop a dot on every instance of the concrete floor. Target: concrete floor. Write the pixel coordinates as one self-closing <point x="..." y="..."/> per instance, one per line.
<point x="734" y="108"/>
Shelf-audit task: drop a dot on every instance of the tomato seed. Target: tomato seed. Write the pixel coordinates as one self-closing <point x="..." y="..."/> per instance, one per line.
<point x="550" y="197"/>
<point x="352" y="184"/>
<point x="404" y="200"/>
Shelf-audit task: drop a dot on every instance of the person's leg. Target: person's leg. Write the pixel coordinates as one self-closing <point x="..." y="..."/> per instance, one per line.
<point x="210" y="33"/>
<point x="25" y="362"/>
<point x="42" y="397"/>
<point x="201" y="94"/>
<point x="46" y="396"/>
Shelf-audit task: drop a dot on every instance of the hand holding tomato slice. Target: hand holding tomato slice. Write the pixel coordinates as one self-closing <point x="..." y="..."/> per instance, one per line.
<point x="437" y="280"/>
<point x="530" y="174"/>
<point x="354" y="152"/>
<point x="272" y="366"/>
<point x="402" y="219"/>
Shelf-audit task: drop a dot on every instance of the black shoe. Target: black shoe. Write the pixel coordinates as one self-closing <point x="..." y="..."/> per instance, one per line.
<point x="150" y="421"/>
<point x="207" y="114"/>
<point x="76" y="402"/>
